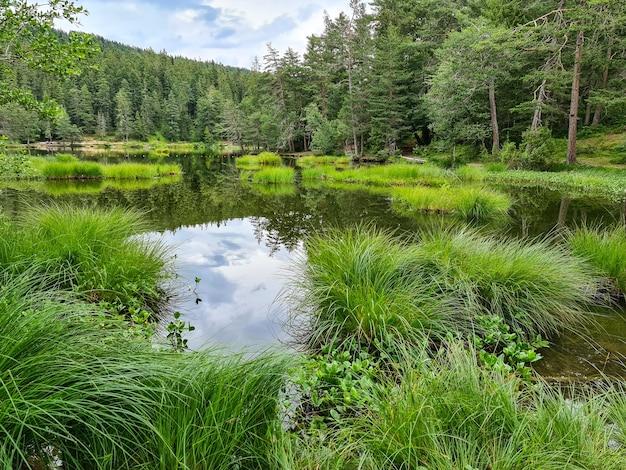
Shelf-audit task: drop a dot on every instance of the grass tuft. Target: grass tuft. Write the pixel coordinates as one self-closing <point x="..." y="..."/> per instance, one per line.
<point x="469" y="203"/>
<point x="605" y="249"/>
<point x="98" y="254"/>
<point x="363" y="284"/>
<point x="278" y="175"/>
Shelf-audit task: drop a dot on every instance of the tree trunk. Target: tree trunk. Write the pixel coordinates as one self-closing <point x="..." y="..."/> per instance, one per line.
<point x="597" y="115"/>
<point x="587" y="114"/>
<point x="495" y="149"/>
<point x="573" y="111"/>
<point x="563" y="211"/>
<point x="540" y="96"/>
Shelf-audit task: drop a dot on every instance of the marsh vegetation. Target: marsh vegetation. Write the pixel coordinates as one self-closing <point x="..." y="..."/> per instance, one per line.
<point x="417" y="345"/>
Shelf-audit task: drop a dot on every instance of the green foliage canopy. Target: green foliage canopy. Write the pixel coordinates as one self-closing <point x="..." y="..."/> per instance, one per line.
<point x="28" y="40"/>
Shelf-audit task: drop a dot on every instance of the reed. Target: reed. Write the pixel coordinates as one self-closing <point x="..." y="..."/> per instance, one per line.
<point x="275" y="175"/>
<point x="99" y="254"/>
<point x="605" y="249"/>
<point x="90" y="397"/>
<point x="470" y="203"/>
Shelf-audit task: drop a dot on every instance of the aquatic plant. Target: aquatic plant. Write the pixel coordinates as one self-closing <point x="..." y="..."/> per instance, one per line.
<point x="255" y="162"/>
<point x="90" y="170"/>
<point x="76" y="391"/>
<point x="71" y="170"/>
<point x="311" y="161"/>
<point x="311" y="174"/>
<point x="269" y="158"/>
<point x="471" y="203"/>
<point x="276" y="175"/>
<point x="536" y="286"/>
<point x="353" y="286"/>
<point x="98" y="254"/>
<point x="403" y="174"/>
<point x="450" y="413"/>
<point x="604" y="248"/>
<point x="364" y="285"/>
<point x="606" y="182"/>
<point x="470" y="173"/>
<point x="131" y="171"/>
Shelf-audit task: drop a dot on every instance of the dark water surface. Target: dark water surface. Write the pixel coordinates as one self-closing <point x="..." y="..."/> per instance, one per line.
<point x="242" y="240"/>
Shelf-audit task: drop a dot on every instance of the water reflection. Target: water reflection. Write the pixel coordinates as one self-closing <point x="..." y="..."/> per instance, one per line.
<point x="239" y="239"/>
<point x="240" y="279"/>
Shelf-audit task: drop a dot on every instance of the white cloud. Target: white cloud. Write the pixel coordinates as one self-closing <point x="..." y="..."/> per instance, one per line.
<point x="232" y="32"/>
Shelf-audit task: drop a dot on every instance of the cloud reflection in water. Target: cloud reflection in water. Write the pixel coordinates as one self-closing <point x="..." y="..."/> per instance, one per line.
<point x="240" y="279"/>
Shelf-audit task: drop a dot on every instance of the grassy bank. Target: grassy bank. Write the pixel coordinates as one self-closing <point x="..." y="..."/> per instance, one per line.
<point x="90" y="170"/>
<point x="604" y="182"/>
<point x="99" y="255"/>
<point x="400" y="332"/>
<point x="74" y="391"/>
<point x="375" y="391"/>
<point x="68" y="167"/>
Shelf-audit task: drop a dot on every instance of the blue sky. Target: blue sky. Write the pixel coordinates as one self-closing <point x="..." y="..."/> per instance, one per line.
<point x="232" y="32"/>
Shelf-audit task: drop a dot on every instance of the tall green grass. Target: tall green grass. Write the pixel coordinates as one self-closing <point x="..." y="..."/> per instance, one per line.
<point x="535" y="286"/>
<point x="312" y="161"/>
<point x="131" y="171"/>
<point x="605" y="249"/>
<point x="99" y="254"/>
<point x="97" y="400"/>
<point x="363" y="285"/>
<point x="605" y="182"/>
<point x="255" y="162"/>
<point x="452" y="414"/>
<point x="470" y="203"/>
<point x="354" y="286"/>
<point x="269" y="158"/>
<point x="277" y="175"/>
<point x="69" y="169"/>
<point x="392" y="175"/>
<point x="72" y="170"/>
<point x="311" y="174"/>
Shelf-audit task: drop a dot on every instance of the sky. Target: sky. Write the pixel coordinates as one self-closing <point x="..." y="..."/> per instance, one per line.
<point x="231" y="32"/>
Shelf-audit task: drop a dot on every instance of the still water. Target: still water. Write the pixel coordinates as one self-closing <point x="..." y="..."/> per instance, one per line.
<point x="242" y="241"/>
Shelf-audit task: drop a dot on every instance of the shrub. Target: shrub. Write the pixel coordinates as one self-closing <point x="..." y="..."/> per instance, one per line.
<point x="539" y="149"/>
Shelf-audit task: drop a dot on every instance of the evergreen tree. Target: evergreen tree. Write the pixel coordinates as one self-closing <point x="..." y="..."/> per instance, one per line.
<point x="123" y="113"/>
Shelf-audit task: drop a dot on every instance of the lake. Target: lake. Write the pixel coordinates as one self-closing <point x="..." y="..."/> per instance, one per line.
<point x="241" y="241"/>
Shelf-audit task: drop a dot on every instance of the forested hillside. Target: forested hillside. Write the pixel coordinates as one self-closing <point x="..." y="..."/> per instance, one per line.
<point x="403" y="73"/>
